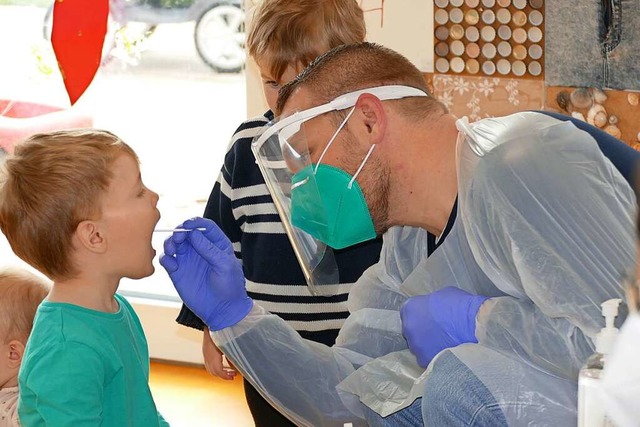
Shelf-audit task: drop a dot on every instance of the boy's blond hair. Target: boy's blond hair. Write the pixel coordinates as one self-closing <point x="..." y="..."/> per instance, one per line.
<point x="20" y="294"/>
<point x="294" y="32"/>
<point x="51" y="183"/>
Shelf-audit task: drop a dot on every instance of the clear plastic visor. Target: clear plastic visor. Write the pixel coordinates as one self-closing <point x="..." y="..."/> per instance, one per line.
<point x="282" y="153"/>
<point x="283" y="168"/>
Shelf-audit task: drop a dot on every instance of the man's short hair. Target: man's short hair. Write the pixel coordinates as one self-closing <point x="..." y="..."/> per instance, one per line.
<point x="51" y="183"/>
<point x="294" y="32"/>
<point x="20" y="294"/>
<point x="358" y="66"/>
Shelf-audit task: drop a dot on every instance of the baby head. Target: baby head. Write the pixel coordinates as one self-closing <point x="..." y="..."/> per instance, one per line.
<point x="20" y="294"/>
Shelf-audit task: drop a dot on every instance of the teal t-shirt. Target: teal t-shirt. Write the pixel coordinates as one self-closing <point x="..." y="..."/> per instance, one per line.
<point x="86" y="368"/>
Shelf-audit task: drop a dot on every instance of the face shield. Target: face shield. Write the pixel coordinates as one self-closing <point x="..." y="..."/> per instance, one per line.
<point x="315" y="210"/>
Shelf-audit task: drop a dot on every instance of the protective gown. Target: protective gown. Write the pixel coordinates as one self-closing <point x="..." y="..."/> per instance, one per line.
<point x="545" y="226"/>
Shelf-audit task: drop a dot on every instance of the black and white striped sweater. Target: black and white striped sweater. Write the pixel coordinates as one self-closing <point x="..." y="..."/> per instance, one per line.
<point x="241" y="205"/>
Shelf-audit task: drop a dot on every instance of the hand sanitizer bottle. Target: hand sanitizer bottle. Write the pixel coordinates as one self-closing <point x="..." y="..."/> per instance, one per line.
<point x="590" y="406"/>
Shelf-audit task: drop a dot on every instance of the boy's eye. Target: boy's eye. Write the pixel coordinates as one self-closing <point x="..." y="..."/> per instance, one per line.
<point x="271" y="83"/>
<point x="141" y="193"/>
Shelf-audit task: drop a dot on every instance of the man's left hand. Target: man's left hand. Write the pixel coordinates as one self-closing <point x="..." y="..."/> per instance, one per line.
<point x="440" y="320"/>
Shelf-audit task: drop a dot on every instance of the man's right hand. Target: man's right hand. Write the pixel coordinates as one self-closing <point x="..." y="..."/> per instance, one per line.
<point x="214" y="359"/>
<point x="206" y="274"/>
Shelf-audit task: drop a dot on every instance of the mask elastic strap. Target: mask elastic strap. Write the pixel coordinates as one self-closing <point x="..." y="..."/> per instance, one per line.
<point x="355" y="175"/>
<point x="344" y="122"/>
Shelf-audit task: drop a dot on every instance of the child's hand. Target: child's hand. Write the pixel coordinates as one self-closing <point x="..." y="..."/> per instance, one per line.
<point x="214" y="359"/>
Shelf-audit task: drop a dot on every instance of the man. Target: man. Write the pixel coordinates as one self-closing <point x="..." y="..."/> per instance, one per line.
<point x="503" y="311"/>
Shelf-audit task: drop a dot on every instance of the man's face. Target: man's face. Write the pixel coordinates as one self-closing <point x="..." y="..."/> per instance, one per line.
<point x="129" y="215"/>
<point x="346" y="152"/>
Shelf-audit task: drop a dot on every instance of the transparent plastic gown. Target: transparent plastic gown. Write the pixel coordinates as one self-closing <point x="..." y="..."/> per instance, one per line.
<point x="544" y="226"/>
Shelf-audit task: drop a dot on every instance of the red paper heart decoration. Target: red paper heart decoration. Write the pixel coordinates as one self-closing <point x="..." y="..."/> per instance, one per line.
<point x="79" y="28"/>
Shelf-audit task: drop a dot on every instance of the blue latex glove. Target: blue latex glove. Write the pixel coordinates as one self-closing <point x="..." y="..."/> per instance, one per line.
<point x="443" y="319"/>
<point x="206" y="274"/>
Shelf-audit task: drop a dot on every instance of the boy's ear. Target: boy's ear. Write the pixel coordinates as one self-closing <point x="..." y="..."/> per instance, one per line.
<point x="16" y="351"/>
<point x="373" y="116"/>
<point x="91" y="236"/>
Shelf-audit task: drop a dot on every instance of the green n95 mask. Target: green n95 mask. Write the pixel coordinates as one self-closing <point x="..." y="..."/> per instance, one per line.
<point x="342" y="219"/>
<point x="335" y="210"/>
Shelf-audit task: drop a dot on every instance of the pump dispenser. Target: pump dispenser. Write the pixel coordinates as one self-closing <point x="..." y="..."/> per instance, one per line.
<point x="607" y="335"/>
<point x="590" y="407"/>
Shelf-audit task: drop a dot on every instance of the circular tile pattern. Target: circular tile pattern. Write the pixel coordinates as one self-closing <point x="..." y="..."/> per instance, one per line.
<point x="519" y="68"/>
<point x="456" y="15"/>
<point x="503" y="66"/>
<point x="488" y="51"/>
<point x="442" y="65"/>
<point x="488" y="17"/>
<point x="504" y="49"/>
<point x="442" y="33"/>
<point x="519" y="35"/>
<point x="456" y="32"/>
<point x="489" y="68"/>
<point x="503" y="16"/>
<point x="473" y="66"/>
<point x="457" y="65"/>
<point x="535" y="68"/>
<point x="504" y="32"/>
<point x="472" y="34"/>
<point x="535" y="51"/>
<point x="488" y="33"/>
<point x="490" y="37"/>
<point x="471" y="17"/>
<point x="534" y="34"/>
<point x="472" y="50"/>
<point x="520" y="4"/>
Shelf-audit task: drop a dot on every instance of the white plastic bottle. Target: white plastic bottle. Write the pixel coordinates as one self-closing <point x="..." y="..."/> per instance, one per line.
<point x="590" y="407"/>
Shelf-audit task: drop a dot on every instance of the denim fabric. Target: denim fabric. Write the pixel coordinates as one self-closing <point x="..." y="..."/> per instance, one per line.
<point x="592" y="43"/>
<point x="453" y="396"/>
<point x="411" y="416"/>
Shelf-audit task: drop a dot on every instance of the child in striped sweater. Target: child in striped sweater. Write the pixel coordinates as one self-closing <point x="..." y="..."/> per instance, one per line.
<point x="285" y="36"/>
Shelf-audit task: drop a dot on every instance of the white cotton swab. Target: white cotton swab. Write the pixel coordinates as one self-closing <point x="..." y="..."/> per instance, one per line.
<point x="177" y="230"/>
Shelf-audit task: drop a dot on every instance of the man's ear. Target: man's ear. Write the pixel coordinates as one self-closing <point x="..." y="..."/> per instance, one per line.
<point x="373" y="117"/>
<point x="16" y="351"/>
<point x="90" y="236"/>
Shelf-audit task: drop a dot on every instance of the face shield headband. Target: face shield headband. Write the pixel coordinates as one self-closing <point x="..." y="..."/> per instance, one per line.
<point x="282" y="155"/>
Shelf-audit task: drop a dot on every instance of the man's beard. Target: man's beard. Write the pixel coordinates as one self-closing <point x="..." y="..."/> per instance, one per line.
<point x="374" y="182"/>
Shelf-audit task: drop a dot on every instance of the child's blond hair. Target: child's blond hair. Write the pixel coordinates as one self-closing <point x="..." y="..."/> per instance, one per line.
<point x="20" y="294"/>
<point x="51" y="183"/>
<point x="294" y="32"/>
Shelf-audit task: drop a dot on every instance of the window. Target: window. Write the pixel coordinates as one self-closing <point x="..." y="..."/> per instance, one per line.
<point x="172" y="87"/>
<point x="175" y="91"/>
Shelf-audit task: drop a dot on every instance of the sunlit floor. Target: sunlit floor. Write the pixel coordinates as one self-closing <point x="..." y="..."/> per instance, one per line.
<point x="190" y="397"/>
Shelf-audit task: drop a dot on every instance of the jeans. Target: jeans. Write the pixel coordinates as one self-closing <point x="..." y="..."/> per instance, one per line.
<point x="592" y="43"/>
<point x="453" y="396"/>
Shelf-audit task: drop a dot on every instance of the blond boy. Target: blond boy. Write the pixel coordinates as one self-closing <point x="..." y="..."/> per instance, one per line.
<point x="73" y="205"/>
<point x="20" y="294"/>
<point x="285" y="36"/>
